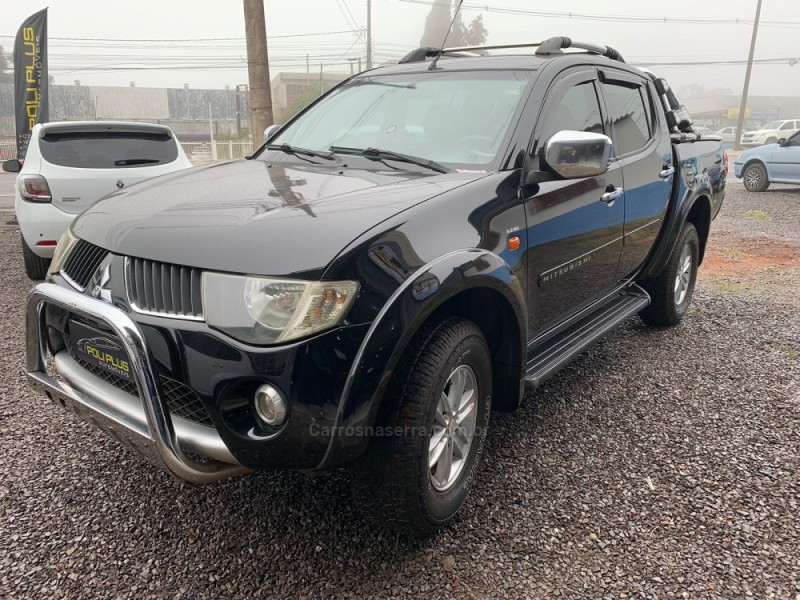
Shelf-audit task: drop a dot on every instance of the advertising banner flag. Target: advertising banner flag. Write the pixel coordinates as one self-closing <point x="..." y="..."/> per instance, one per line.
<point x="30" y="78"/>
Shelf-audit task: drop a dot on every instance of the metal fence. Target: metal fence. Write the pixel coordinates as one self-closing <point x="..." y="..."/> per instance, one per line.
<point x="8" y="150"/>
<point x="220" y="150"/>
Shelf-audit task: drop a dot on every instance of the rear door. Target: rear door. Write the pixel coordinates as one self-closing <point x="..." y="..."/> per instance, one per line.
<point x="574" y="237"/>
<point x="644" y="152"/>
<point x="83" y="165"/>
<point x="785" y="162"/>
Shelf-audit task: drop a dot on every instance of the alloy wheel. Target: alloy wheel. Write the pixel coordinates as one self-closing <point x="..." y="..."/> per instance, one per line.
<point x="752" y="179"/>
<point x="683" y="279"/>
<point x="453" y="428"/>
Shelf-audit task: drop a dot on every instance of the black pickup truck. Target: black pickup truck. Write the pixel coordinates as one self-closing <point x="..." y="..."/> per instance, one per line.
<point x="404" y="256"/>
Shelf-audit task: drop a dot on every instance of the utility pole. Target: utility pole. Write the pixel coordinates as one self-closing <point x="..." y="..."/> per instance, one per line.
<point x="743" y="105"/>
<point x="258" y="68"/>
<point x="211" y="133"/>
<point x="369" y="34"/>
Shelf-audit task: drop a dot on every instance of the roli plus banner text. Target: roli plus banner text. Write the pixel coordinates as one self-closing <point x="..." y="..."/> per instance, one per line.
<point x="30" y="78"/>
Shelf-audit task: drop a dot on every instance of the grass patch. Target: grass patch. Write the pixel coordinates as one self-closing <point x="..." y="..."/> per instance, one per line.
<point x="735" y="254"/>
<point x="758" y="215"/>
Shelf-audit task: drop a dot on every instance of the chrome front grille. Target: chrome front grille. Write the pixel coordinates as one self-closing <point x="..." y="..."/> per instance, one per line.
<point x="82" y="262"/>
<point x="164" y="289"/>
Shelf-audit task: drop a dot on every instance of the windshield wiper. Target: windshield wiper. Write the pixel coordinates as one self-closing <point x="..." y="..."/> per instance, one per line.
<point x="378" y="154"/>
<point x="289" y="149"/>
<point x="360" y="81"/>
<point x="135" y="161"/>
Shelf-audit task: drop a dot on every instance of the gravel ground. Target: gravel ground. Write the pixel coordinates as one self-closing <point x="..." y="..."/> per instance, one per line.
<point x="664" y="463"/>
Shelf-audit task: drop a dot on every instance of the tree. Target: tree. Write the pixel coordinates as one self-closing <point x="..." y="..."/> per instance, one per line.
<point x="6" y="74"/>
<point x="473" y="35"/>
<point x="438" y="22"/>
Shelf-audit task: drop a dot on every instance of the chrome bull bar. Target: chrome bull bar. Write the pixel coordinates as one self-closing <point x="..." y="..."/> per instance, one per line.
<point x="151" y="433"/>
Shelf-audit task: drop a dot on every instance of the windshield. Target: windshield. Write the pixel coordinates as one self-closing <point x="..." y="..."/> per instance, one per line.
<point x="772" y="125"/>
<point x="458" y="119"/>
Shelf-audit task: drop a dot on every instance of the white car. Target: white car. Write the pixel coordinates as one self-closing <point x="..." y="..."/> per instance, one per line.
<point x="70" y="165"/>
<point x="771" y="132"/>
<point x="728" y="134"/>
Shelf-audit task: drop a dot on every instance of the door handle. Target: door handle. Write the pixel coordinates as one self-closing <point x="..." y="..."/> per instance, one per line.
<point x="612" y="194"/>
<point x="667" y="173"/>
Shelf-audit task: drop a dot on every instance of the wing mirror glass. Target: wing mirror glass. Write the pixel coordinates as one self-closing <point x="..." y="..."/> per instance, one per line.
<point x="782" y="142"/>
<point x="270" y="131"/>
<point x="573" y="154"/>
<point x="12" y="166"/>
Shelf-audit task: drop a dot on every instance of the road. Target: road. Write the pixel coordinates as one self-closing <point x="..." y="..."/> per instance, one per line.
<point x="7" y="191"/>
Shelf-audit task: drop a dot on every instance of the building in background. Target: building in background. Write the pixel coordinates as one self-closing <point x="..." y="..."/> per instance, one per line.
<point x="187" y="111"/>
<point x="287" y="87"/>
<point x="717" y="112"/>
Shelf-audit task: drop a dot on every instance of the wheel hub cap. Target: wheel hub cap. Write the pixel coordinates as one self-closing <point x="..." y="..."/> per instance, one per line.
<point x="453" y="428"/>
<point x="752" y="178"/>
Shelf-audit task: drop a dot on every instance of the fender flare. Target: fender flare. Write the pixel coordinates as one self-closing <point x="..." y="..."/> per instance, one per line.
<point x="676" y="217"/>
<point x="398" y="321"/>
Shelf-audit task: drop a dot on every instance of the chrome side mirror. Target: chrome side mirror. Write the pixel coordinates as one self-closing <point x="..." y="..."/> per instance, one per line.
<point x="573" y="154"/>
<point x="270" y="131"/>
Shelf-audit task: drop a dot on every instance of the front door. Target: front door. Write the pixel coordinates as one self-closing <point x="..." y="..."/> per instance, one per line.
<point x="785" y="163"/>
<point x="574" y="237"/>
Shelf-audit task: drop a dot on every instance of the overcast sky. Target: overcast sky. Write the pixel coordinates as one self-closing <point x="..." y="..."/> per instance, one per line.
<point x="293" y="25"/>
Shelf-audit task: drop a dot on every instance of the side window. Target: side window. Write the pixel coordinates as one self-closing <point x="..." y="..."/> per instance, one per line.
<point x="789" y="125"/>
<point x="629" y="129"/>
<point x="577" y="110"/>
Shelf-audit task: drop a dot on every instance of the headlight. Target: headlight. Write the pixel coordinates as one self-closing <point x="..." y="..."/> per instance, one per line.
<point x="260" y="310"/>
<point x="65" y="244"/>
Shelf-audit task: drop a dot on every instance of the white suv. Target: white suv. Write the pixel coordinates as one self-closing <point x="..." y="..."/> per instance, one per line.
<point x="770" y="133"/>
<point x="70" y="165"/>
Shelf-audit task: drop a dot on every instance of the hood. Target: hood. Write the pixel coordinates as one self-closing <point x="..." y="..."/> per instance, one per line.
<point x="250" y="216"/>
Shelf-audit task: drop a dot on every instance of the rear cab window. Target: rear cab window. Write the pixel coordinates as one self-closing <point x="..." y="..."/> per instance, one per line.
<point x="108" y="149"/>
<point x="630" y="125"/>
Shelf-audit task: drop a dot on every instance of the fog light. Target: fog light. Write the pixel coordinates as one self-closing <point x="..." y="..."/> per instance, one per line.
<point x="270" y="405"/>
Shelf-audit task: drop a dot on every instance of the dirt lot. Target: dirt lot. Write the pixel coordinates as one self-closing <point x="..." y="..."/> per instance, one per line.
<point x="755" y="244"/>
<point x="663" y="464"/>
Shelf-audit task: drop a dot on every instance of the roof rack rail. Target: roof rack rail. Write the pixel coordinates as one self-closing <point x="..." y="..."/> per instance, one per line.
<point x="550" y="46"/>
<point x="555" y="45"/>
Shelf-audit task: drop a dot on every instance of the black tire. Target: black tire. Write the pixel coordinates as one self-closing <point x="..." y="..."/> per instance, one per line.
<point x="393" y="481"/>
<point x="772" y="141"/>
<point x="668" y="305"/>
<point x="755" y="178"/>
<point x="35" y="266"/>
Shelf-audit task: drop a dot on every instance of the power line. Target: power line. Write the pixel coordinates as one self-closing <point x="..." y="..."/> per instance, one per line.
<point x="606" y="18"/>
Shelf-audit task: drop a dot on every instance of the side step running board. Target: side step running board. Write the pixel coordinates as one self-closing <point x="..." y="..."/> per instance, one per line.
<point x="560" y="350"/>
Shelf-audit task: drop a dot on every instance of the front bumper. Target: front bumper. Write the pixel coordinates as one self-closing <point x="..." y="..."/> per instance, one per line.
<point x="149" y="428"/>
